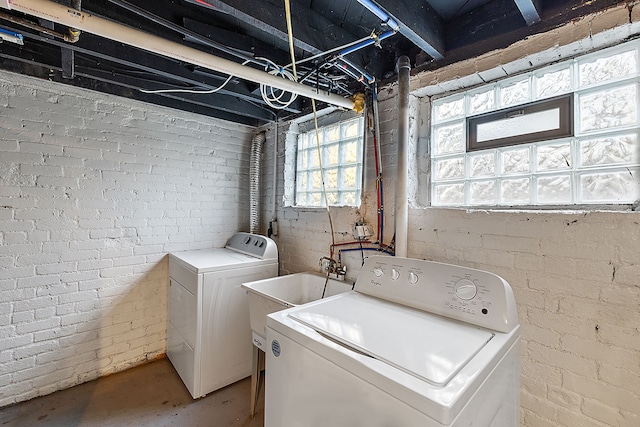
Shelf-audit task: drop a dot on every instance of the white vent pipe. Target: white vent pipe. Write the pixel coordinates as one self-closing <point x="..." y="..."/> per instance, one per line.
<point x="64" y="15"/>
<point x="402" y="199"/>
<point x="254" y="182"/>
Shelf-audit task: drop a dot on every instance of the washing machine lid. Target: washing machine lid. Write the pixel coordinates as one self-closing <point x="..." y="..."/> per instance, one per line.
<point x="427" y="346"/>
<point x="216" y="259"/>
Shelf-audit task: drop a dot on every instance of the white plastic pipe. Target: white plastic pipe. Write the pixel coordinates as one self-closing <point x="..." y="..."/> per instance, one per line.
<point x="64" y="15"/>
<point x="402" y="200"/>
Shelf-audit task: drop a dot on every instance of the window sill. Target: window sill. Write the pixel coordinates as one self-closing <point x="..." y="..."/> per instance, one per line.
<point x="560" y="209"/>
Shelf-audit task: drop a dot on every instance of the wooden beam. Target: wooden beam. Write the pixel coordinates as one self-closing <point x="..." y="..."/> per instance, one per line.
<point x="241" y="42"/>
<point x="418" y="22"/>
<point x="313" y="33"/>
<point x="498" y="24"/>
<point x="530" y="10"/>
<point x="37" y="63"/>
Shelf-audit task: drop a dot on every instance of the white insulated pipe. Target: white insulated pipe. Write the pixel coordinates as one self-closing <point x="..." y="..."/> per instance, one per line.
<point x="402" y="199"/>
<point x="64" y="15"/>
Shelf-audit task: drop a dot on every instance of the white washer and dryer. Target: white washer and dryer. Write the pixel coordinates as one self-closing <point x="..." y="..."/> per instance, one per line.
<point x="416" y="343"/>
<point x="208" y="331"/>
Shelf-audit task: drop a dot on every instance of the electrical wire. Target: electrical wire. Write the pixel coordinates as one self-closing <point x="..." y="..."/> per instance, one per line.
<point x="274" y="97"/>
<point x="271" y="95"/>
<point x="201" y="92"/>
<point x="324" y="188"/>
<point x="287" y="9"/>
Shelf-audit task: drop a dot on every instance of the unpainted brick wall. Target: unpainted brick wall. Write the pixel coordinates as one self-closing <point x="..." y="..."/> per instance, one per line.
<point x="95" y="190"/>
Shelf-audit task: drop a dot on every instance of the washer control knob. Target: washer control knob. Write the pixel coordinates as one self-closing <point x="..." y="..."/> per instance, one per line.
<point x="377" y="272"/>
<point x="413" y="278"/>
<point x="465" y="289"/>
<point x="395" y="274"/>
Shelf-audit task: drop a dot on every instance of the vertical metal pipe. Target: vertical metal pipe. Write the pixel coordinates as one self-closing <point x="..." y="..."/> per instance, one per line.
<point x="402" y="200"/>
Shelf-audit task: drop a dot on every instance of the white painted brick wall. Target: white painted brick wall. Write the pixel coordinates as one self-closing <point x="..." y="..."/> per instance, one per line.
<point x="95" y="190"/>
<point x="576" y="275"/>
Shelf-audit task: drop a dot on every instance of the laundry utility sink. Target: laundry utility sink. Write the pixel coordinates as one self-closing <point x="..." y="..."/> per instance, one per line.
<point x="277" y="293"/>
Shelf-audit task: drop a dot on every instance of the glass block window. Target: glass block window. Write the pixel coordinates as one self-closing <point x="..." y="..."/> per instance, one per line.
<point x="599" y="164"/>
<point x="340" y="146"/>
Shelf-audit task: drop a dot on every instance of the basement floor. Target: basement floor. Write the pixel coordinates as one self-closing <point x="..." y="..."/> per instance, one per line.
<point x="147" y="395"/>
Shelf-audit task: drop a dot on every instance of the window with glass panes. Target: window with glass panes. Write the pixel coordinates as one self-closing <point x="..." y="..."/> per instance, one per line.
<point x="599" y="164"/>
<point x="341" y="151"/>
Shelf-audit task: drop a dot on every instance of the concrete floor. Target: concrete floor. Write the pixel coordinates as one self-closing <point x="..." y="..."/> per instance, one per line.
<point x="148" y="395"/>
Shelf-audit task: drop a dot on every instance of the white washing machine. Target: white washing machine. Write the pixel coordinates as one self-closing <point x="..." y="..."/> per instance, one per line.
<point x="208" y="331"/>
<point x="417" y="343"/>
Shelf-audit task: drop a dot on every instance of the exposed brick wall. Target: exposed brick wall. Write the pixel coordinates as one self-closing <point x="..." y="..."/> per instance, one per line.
<point x="576" y="278"/>
<point x="95" y="190"/>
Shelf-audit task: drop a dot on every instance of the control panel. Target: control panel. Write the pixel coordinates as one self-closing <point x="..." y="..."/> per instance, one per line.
<point x="457" y="292"/>
<point x="253" y="244"/>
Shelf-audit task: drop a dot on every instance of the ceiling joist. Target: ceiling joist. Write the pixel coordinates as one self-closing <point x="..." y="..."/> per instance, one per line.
<point x="433" y="33"/>
<point x="418" y="22"/>
<point x="313" y="34"/>
<point x="530" y="10"/>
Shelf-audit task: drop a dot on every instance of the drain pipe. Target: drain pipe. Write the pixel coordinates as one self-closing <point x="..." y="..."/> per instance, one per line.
<point x="402" y="200"/>
<point x="273" y="224"/>
<point x="121" y="33"/>
<point x="254" y="182"/>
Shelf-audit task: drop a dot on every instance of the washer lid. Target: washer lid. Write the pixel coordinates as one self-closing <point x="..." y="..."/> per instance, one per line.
<point x="421" y="344"/>
<point x="216" y="259"/>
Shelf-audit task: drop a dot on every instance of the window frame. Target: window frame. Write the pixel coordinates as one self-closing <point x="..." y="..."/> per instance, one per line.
<point x="340" y="166"/>
<point x="564" y="103"/>
<point x="448" y="136"/>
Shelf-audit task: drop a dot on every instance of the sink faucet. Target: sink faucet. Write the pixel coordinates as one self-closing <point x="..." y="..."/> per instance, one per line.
<point x="333" y="268"/>
<point x="328" y="264"/>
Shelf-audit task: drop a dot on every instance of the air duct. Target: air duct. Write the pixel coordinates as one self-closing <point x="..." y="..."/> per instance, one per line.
<point x="402" y="200"/>
<point x="254" y="182"/>
<point x="83" y="21"/>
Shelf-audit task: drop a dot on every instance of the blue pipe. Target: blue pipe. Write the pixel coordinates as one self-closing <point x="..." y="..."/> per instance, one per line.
<point x="364" y="74"/>
<point x="384" y="17"/>
<point x="345" y="69"/>
<point x="366" y="43"/>
<point x="387" y="251"/>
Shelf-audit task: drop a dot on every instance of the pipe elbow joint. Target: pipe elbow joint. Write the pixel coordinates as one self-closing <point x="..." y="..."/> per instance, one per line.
<point x="404" y="63"/>
<point x="72" y="36"/>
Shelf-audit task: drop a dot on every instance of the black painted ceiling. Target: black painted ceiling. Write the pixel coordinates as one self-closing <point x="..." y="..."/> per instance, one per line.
<point x="432" y="33"/>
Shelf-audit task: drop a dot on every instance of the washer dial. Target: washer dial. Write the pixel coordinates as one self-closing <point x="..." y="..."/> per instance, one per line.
<point x="413" y="278"/>
<point x="465" y="289"/>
